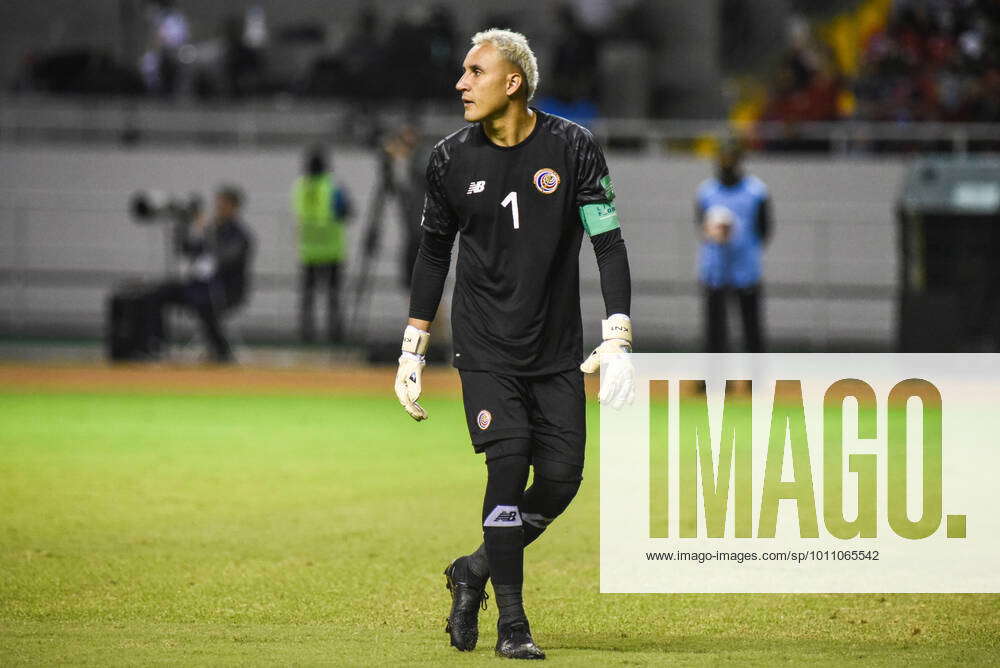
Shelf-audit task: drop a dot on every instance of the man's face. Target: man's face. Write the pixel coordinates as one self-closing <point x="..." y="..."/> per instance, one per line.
<point x="729" y="160"/>
<point x="225" y="208"/>
<point x="729" y="166"/>
<point x="485" y="81"/>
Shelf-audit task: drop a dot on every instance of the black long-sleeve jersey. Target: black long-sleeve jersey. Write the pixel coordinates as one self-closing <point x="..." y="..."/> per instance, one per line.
<point x="521" y="212"/>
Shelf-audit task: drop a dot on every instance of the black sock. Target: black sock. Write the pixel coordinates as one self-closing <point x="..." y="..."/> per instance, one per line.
<point x="503" y="533"/>
<point x="542" y="502"/>
<point x="510" y="604"/>
<point x="531" y="532"/>
<point x="463" y="572"/>
<point x="479" y="565"/>
<point x="505" y="552"/>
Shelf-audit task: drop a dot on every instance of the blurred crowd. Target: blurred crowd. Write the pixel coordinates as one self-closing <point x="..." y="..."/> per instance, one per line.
<point x="928" y="60"/>
<point x="231" y="63"/>
<point x="808" y="86"/>
<point x="935" y="60"/>
<point x="365" y="55"/>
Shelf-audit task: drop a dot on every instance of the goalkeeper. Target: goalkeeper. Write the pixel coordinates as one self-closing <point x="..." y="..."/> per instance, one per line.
<point x="519" y="187"/>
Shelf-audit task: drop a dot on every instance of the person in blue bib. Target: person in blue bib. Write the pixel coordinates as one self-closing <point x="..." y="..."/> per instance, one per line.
<point x="733" y="217"/>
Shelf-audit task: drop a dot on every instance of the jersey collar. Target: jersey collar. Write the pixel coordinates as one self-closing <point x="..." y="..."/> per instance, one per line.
<point x="539" y="118"/>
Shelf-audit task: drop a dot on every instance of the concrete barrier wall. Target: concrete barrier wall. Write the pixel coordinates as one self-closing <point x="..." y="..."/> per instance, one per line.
<point x="66" y="238"/>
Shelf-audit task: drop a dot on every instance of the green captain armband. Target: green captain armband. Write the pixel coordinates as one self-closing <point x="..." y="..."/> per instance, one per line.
<point x="609" y="188"/>
<point x="599" y="218"/>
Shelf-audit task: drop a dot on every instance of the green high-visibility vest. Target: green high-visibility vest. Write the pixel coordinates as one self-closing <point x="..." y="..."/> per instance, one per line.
<point x="321" y="232"/>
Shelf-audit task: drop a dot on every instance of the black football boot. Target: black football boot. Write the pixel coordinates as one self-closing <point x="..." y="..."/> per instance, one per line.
<point x="514" y="641"/>
<point x="466" y="600"/>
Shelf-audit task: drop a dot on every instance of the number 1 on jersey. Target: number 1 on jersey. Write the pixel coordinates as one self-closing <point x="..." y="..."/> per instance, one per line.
<point x="511" y="199"/>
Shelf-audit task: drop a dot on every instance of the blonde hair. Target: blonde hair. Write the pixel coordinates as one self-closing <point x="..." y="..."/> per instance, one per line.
<point x="514" y="47"/>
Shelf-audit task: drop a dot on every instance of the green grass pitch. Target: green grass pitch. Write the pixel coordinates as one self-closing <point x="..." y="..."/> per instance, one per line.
<point x="291" y="530"/>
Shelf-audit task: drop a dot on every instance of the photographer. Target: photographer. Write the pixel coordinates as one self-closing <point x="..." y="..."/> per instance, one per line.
<point x="218" y="251"/>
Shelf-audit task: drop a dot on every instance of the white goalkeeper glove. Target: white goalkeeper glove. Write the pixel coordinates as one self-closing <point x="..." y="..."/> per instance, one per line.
<point x="411" y="366"/>
<point x="618" y="377"/>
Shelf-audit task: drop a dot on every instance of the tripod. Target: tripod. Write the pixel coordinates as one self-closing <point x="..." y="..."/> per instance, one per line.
<point x="384" y="192"/>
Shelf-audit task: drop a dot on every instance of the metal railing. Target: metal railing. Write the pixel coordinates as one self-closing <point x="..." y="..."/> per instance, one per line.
<point x="291" y="122"/>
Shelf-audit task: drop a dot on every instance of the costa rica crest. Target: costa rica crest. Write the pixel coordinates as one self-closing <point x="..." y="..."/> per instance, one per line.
<point x="546" y="180"/>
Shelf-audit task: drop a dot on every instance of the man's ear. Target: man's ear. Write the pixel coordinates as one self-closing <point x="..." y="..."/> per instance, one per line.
<point x="514" y="83"/>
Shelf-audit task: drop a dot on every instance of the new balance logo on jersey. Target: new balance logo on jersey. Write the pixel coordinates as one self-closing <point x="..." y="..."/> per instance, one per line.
<point x="476" y="187"/>
<point x="503" y="516"/>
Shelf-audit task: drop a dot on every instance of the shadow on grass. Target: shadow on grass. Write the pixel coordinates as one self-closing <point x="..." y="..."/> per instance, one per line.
<point x="721" y="646"/>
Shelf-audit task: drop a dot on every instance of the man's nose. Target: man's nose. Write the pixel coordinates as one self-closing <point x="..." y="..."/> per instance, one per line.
<point x="461" y="84"/>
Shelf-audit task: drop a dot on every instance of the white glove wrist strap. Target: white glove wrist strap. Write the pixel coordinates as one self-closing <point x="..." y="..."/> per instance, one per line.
<point x="415" y="340"/>
<point x="617" y="326"/>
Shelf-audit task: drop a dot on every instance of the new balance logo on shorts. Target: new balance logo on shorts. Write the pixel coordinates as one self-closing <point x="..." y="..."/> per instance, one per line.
<point x="476" y="187"/>
<point x="503" y="516"/>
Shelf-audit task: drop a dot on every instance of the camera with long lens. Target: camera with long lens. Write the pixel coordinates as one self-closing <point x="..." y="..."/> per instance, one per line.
<point x="153" y="206"/>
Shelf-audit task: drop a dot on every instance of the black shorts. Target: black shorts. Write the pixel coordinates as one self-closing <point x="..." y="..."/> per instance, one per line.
<point x="548" y="410"/>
